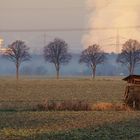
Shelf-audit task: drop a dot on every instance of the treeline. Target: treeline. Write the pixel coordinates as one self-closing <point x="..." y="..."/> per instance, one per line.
<point x="57" y="53"/>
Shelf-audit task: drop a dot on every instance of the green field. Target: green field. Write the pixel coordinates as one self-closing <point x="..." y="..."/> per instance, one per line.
<point x="18" y="122"/>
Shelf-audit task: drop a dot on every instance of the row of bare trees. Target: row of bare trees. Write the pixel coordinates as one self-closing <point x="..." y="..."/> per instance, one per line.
<point x="130" y="55"/>
<point x="56" y="52"/>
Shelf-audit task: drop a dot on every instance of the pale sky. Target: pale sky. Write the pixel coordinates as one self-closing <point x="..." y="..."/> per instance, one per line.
<point x="41" y="13"/>
<point x="50" y="14"/>
<point x="37" y="14"/>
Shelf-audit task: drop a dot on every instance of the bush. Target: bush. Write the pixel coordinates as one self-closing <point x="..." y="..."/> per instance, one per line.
<point x="70" y="105"/>
<point x="80" y="105"/>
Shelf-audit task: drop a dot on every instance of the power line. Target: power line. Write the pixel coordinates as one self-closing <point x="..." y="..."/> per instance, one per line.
<point x="41" y="8"/>
<point x="70" y="29"/>
<point x="45" y="32"/>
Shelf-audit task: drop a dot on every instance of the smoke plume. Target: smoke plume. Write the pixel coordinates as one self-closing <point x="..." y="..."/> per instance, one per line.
<point x="112" y="13"/>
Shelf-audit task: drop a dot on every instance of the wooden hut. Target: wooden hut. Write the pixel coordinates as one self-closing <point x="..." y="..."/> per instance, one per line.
<point x="132" y="91"/>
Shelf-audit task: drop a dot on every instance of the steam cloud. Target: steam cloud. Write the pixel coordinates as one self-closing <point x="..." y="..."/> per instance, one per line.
<point x="112" y="13"/>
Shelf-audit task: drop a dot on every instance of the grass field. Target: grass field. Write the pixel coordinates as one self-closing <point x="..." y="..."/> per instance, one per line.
<point x="16" y="124"/>
<point x="38" y="90"/>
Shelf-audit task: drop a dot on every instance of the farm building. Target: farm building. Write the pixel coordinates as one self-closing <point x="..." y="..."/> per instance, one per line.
<point x="132" y="91"/>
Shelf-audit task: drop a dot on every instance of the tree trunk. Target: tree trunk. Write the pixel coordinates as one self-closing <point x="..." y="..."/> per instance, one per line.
<point x="57" y="71"/>
<point x="93" y="72"/>
<point x="57" y="74"/>
<point x="131" y="70"/>
<point x="17" y="71"/>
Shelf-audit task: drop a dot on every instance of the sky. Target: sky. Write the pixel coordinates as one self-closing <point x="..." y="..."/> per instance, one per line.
<point x="59" y="14"/>
<point x="40" y="14"/>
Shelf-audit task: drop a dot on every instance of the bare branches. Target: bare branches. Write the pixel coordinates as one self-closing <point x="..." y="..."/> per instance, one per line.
<point x="130" y="55"/>
<point x="92" y="56"/>
<point x="56" y="52"/>
<point x="18" y="53"/>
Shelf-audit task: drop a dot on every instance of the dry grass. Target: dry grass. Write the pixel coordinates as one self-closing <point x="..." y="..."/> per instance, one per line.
<point x="104" y="106"/>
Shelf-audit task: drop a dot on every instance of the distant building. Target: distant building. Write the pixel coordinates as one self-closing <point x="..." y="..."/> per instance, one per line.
<point x="132" y="91"/>
<point x="2" y="49"/>
<point x="133" y="79"/>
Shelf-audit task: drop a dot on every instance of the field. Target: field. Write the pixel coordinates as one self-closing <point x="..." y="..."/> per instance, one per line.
<point x="18" y="121"/>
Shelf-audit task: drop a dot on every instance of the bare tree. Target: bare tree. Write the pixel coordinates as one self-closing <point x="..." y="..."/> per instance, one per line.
<point x="92" y="56"/>
<point x="18" y="53"/>
<point x="56" y="52"/>
<point x="130" y="55"/>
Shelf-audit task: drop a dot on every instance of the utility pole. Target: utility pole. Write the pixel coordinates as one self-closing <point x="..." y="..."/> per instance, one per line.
<point x="44" y="41"/>
<point x="117" y="41"/>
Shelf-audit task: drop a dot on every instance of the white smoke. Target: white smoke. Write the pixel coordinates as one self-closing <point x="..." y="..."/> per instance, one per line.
<point x="112" y="13"/>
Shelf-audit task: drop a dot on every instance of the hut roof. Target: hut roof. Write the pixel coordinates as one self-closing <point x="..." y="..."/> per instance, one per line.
<point x="131" y="77"/>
